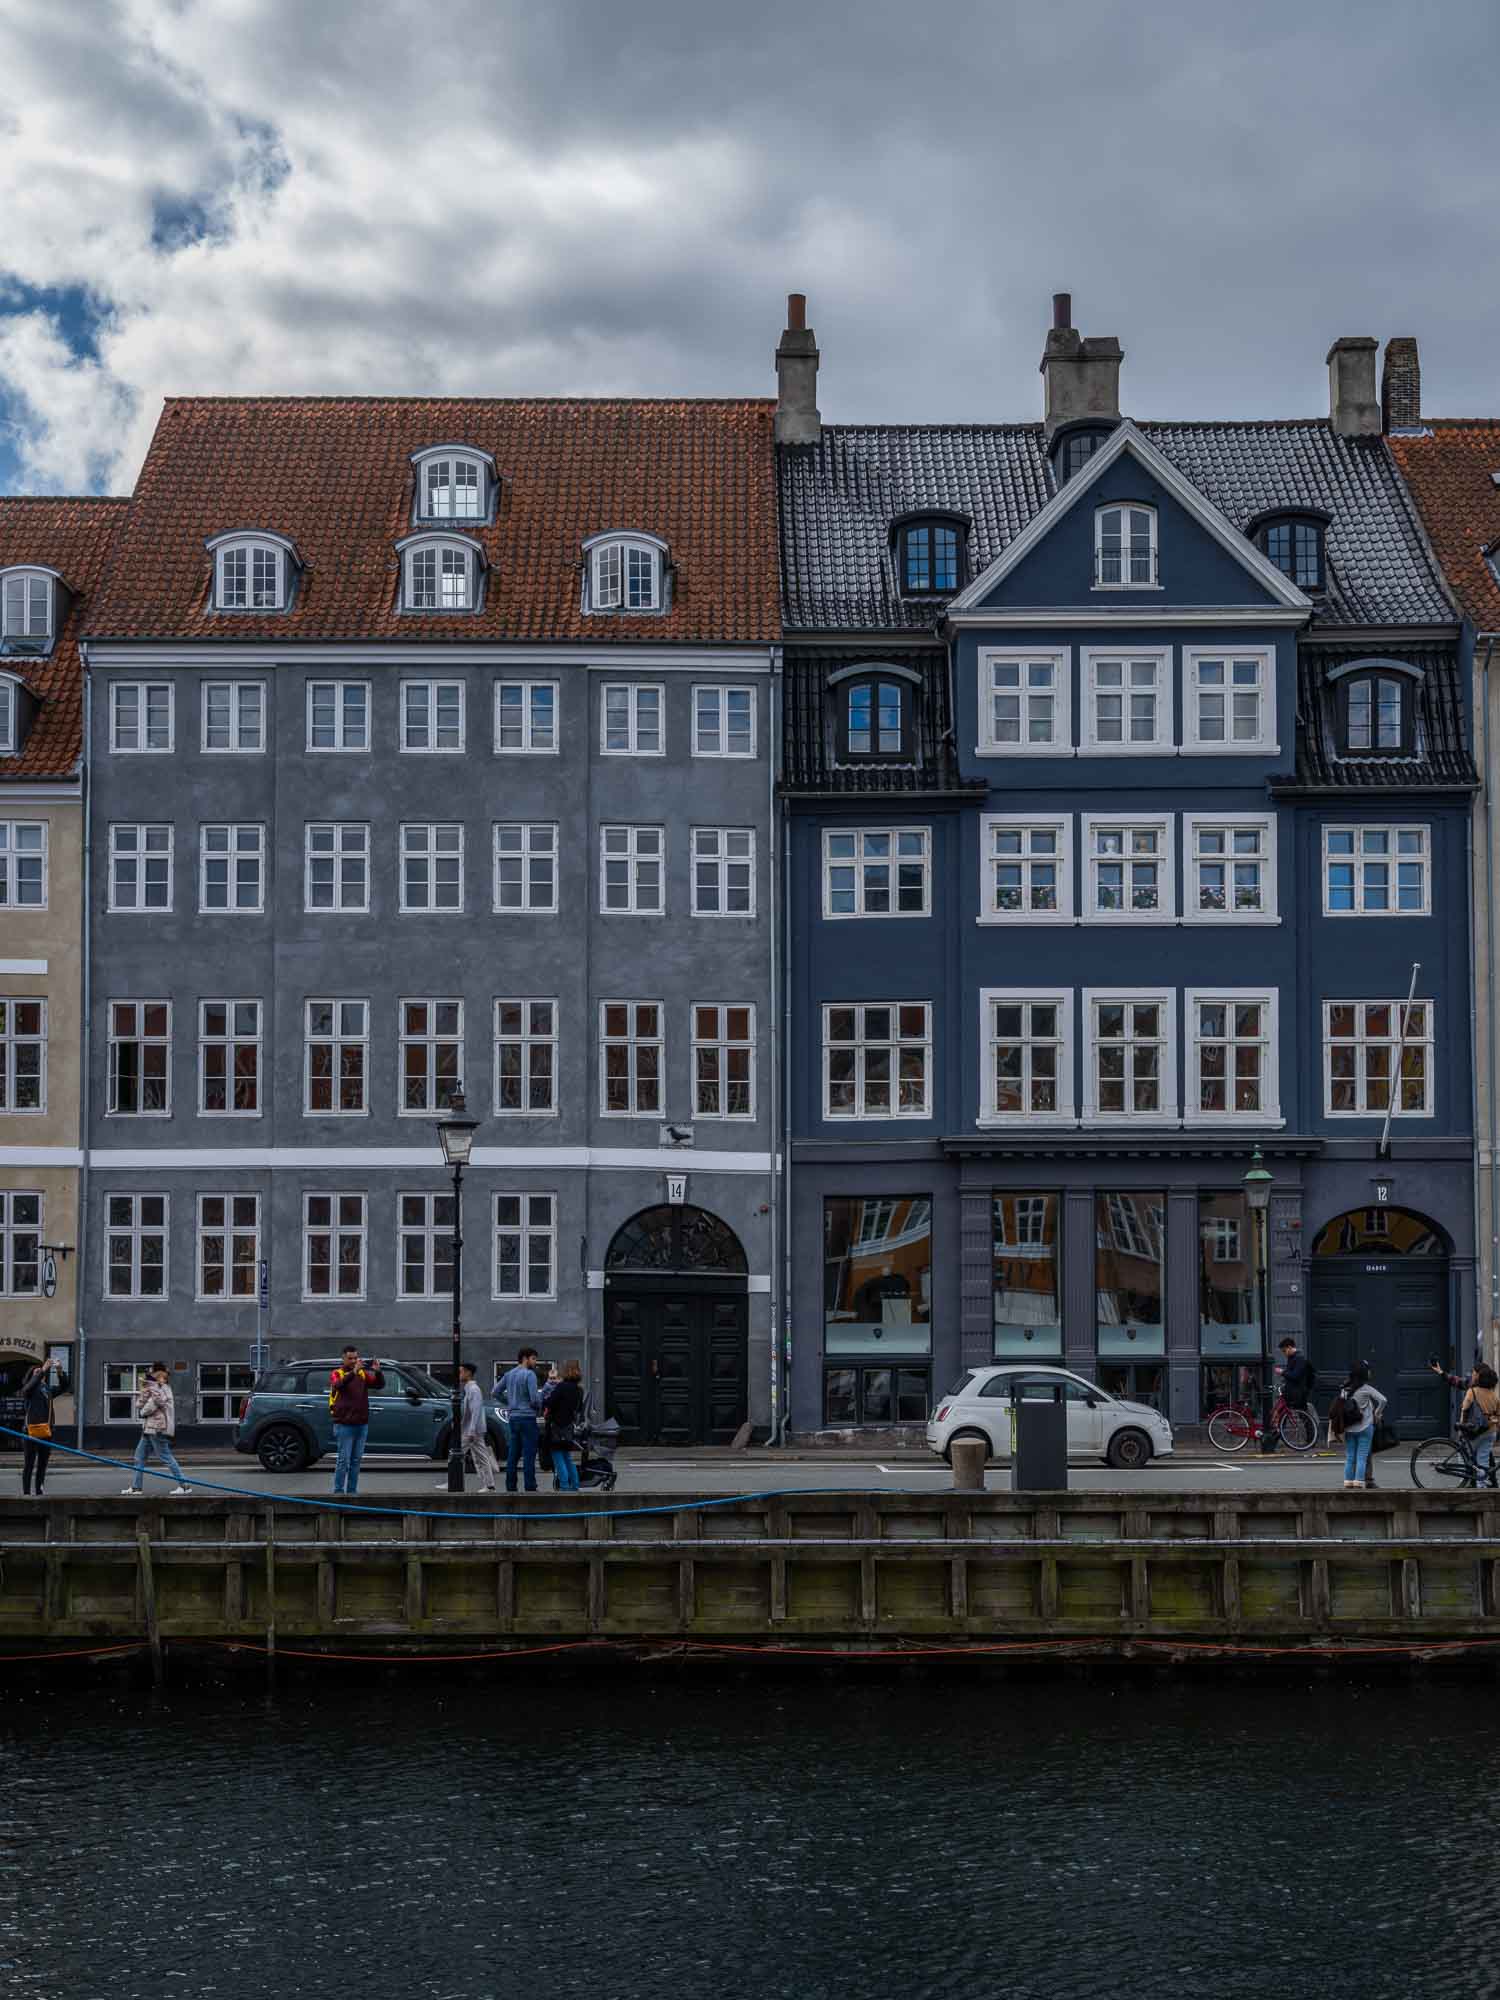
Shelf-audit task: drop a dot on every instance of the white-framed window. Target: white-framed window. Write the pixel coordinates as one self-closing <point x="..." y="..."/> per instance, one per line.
<point x="334" y="1246"/>
<point x="453" y="487"/>
<point x="632" y="719"/>
<point x="723" y="1061"/>
<point x="338" y="715"/>
<point x="432" y="1054"/>
<point x="229" y="1058"/>
<point x="234" y="716"/>
<point x="141" y="717"/>
<point x="1129" y="875"/>
<point x="525" y="1058"/>
<point x="140" y="867"/>
<point x="874" y="871"/>
<point x="8" y="743"/>
<point x="1230" y="860"/>
<point x="432" y="867"/>
<point x="723" y="722"/>
<point x="232" y="869"/>
<point x="526" y="718"/>
<point x="877" y="1059"/>
<point x="526" y="867"/>
<point x="140" y="1059"/>
<point x="624" y="575"/>
<point x="222" y="1388"/>
<point x="249" y="576"/>
<point x="432" y="716"/>
<point x="1367" y="1046"/>
<point x="525" y="1246"/>
<point x="1377" y="871"/>
<point x="122" y="1381"/>
<point x="1124" y="546"/>
<point x="26" y="611"/>
<point x="1025" y="702"/>
<point x="1233" y="1056"/>
<point x="425" y="1269"/>
<point x="228" y="1246"/>
<point x="1027" y="869"/>
<point x="1229" y="702"/>
<point x="23" y="864"/>
<point x="136" y="1246"/>
<point x="631" y="1058"/>
<point x="1127" y="702"/>
<point x="20" y="1245"/>
<point x="1130" y="1067"/>
<point x="1222" y="1233"/>
<point x="23" y="1055"/>
<point x="632" y="870"/>
<point x="1026" y="1055"/>
<point x="723" y="871"/>
<point x="440" y="576"/>
<point x="336" y="1080"/>
<point x="336" y="866"/>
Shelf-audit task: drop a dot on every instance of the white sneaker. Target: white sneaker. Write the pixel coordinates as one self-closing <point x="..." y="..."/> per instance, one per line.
<point x="176" y="1490"/>
<point x="130" y="1492"/>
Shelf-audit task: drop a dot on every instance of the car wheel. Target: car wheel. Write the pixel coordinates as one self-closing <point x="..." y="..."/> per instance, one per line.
<point x="977" y="1437"/>
<point x="283" y="1448"/>
<point x="1129" y="1450"/>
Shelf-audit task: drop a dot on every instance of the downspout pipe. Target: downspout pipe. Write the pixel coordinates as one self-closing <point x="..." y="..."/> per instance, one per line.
<point x="779" y="1297"/>
<point x="1492" y="1023"/>
<point x="85" y="1045"/>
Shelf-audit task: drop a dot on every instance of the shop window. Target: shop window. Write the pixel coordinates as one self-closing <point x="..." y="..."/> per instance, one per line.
<point x="1129" y="1275"/>
<point x="1027" y="1304"/>
<point x="877" y="1309"/>
<point x="1229" y="1321"/>
<point x="855" y="1396"/>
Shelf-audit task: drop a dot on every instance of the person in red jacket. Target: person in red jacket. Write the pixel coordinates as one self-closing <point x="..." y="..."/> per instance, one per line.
<point x="349" y="1389"/>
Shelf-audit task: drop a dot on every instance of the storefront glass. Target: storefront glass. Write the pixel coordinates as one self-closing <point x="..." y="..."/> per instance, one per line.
<point x="1129" y="1276"/>
<point x="1028" y="1312"/>
<point x="877" y="1309"/>
<point x="1229" y="1330"/>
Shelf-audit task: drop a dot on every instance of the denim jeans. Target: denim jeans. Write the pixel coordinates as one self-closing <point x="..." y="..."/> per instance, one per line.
<point x="522" y="1447"/>
<point x="565" y="1467"/>
<point x="159" y="1443"/>
<point x="351" y="1451"/>
<point x="1484" y="1448"/>
<point x="1357" y="1452"/>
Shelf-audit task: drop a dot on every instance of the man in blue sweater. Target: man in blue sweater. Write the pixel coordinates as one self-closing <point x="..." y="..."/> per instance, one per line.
<point x="523" y="1402"/>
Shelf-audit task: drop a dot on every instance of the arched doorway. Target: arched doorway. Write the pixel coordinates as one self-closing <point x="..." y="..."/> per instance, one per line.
<point x="1379" y="1292"/>
<point x="676" y="1328"/>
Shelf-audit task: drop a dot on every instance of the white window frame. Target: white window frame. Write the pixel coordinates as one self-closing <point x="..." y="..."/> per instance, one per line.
<point x="609" y="578"/>
<point x="429" y="1230"/>
<point x="723" y="1045"/>
<point x="1025" y="824"/>
<point x="633" y="1040"/>
<point x="141" y="855"/>
<point x="143" y="692"/>
<point x="337" y="1231"/>
<point x="1231" y="823"/>
<point x="709" y="847"/>
<point x="1164" y="997"/>
<point x="430" y="693"/>
<point x="1159" y="658"/>
<point x="1392" y="858"/>
<point x="526" y="1231"/>
<point x="340" y="747"/>
<point x="419" y="844"/>
<point x="1163" y="825"/>
<point x="230" y="1229"/>
<point x="338" y="1039"/>
<point x="231" y="1041"/>
<point x="133" y="1374"/>
<point x="135" y="1232"/>
<point x="862" y="1044"/>
<point x="233" y="853"/>
<point x="439" y="547"/>
<point x="716" y="697"/>
<point x="231" y="1391"/>
<point x="11" y="856"/>
<point x="528" y="690"/>
<point x="251" y="548"/>
<point x="1126" y="507"/>
<point x="141" y="1041"/>
<point x="351" y="842"/>
<point x="11" y="1044"/>
<point x="861" y="861"/>
<point x="27" y="578"/>
<point x="633" y="690"/>
<point x="632" y="856"/>
<point x="1060" y="997"/>
<point x="10" y="1229"/>
<point x="538" y="841"/>
<point x="235" y="691"/>
<point x="1266" y="998"/>
<point x="1264" y="743"/>
<point x="1361" y="1041"/>
<point x="1060" y="660"/>
<point x="431" y="1041"/>
<point x="476" y="462"/>
<point x="525" y="1039"/>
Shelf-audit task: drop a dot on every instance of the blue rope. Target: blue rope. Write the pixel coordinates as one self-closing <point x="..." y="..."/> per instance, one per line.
<point x="326" y="1504"/>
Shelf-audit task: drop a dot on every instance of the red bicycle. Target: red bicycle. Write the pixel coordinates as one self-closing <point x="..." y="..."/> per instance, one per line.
<point x="1234" y="1426"/>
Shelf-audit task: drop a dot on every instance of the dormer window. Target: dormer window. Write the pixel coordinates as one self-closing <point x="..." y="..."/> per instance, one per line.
<point x="27" y="617"/>
<point x="252" y="572"/>
<point x="454" y="483"/>
<point x="874" y="713"/>
<point x="626" y="573"/>
<point x="1492" y="553"/>
<point x="1377" y="702"/>
<point x="440" y="573"/>
<point x="1072" y="451"/>
<point x="930" y="555"/>
<point x="1294" y="542"/>
<point x="1124" y="547"/>
<point x="9" y="718"/>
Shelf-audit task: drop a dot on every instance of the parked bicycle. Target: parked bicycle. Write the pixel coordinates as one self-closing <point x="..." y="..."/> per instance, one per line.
<point x="1234" y="1426"/>
<point x="1445" y="1462"/>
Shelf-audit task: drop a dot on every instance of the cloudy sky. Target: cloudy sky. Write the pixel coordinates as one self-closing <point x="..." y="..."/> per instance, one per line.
<point x="478" y="196"/>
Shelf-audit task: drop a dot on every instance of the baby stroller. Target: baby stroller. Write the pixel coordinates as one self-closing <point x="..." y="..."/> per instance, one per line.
<point x="597" y="1445"/>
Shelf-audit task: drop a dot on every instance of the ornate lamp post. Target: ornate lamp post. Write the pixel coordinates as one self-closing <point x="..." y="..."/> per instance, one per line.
<point x="456" y="1137"/>
<point x="1257" y="1185"/>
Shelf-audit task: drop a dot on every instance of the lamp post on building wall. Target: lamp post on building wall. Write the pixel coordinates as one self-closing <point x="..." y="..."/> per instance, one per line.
<point x="456" y="1137"/>
<point x="1257" y="1186"/>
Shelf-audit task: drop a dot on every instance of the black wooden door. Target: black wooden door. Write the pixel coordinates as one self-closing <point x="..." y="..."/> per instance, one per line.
<point x="1393" y="1313"/>
<point x="676" y="1368"/>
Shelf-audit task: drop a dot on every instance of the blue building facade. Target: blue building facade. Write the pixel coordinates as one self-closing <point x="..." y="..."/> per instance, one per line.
<point x="1127" y="784"/>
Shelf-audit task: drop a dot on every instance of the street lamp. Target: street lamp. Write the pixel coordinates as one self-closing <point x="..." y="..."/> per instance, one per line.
<point x="456" y="1137"/>
<point x="1257" y="1186"/>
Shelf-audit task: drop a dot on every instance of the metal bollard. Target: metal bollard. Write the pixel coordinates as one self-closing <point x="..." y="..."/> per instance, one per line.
<point x="969" y="1455"/>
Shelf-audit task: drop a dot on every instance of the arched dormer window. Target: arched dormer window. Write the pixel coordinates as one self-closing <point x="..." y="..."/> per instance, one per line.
<point x="1376" y="706"/>
<point x="441" y="573"/>
<point x="930" y="553"/>
<point x="28" y="611"/>
<point x="875" y="713"/>
<point x="626" y="573"/>
<point x="254" y="570"/>
<point x="454" y="482"/>
<point x="12" y="697"/>
<point x="1124" y="546"/>
<point x="1073" y="446"/>
<point x="1293" y="539"/>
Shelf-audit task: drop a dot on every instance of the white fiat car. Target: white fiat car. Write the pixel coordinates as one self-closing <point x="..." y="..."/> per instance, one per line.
<point x="982" y="1404"/>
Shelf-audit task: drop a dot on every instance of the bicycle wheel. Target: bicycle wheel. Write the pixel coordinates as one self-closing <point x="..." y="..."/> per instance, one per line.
<point x="1229" y="1430"/>
<point x="1298" y="1430"/>
<point x="1439" y="1462"/>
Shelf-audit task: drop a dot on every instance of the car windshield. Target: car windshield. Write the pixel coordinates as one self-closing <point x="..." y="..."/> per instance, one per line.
<point x="418" y="1378"/>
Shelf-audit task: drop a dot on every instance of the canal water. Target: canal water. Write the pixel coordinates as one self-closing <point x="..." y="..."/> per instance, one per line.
<point x="776" y="1839"/>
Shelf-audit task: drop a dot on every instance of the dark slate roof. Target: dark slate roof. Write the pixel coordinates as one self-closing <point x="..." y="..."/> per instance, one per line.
<point x="810" y="764"/>
<point x="838" y="498"/>
<point x="1443" y="758"/>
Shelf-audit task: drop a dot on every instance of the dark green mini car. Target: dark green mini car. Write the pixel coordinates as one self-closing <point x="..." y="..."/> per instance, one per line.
<point x="286" y="1422"/>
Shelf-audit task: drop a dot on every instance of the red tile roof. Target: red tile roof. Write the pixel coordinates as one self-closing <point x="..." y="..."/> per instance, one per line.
<point x="333" y="474"/>
<point x="1449" y="469"/>
<point x="74" y="537"/>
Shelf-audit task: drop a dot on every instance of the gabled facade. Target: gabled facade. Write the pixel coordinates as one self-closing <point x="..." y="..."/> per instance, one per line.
<point x="1112" y="853"/>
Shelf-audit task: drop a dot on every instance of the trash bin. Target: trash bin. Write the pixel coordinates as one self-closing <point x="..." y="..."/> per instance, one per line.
<point x="1041" y="1460"/>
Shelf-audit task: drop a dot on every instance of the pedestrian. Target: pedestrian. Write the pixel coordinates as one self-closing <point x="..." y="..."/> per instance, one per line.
<point x="156" y="1408"/>
<point x="523" y="1403"/>
<point x="474" y="1436"/>
<point x="37" y="1392"/>
<point x="563" y="1406"/>
<point x="1478" y="1414"/>
<point x="349" y="1389"/>
<point x="1355" y="1413"/>
<point x="1296" y="1375"/>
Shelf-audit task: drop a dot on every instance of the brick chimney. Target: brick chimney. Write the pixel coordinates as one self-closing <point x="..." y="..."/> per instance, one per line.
<point x="797" y="419"/>
<point x="1353" y="410"/>
<point x="1082" y="376"/>
<point x="1401" y="386"/>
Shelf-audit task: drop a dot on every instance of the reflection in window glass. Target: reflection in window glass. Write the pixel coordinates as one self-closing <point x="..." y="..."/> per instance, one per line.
<point x="1027" y="1310"/>
<point x="1129" y="1270"/>
<point x="1228" y="1282"/>
<point x="877" y="1288"/>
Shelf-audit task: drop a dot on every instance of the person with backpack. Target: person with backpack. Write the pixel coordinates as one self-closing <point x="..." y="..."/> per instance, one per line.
<point x="156" y="1409"/>
<point x="1478" y="1414"/>
<point x="1296" y="1375"/>
<point x="1356" y="1410"/>
<point x="560" y="1417"/>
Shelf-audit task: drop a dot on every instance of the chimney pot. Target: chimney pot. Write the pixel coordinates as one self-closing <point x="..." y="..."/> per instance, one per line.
<point x="796" y="311"/>
<point x="797" y="419"/>
<point x="1062" y="309"/>
<point x="1353" y="407"/>
<point x="1401" y="386"/>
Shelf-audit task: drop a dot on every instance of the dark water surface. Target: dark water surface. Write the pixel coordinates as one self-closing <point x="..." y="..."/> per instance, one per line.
<point x="783" y="1839"/>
